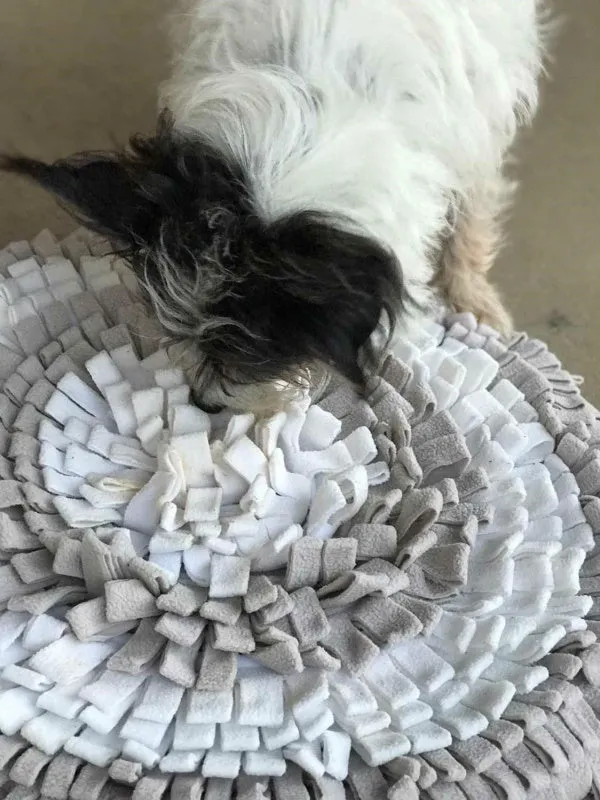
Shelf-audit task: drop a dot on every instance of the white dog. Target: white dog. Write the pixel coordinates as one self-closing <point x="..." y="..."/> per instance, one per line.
<point x="320" y="162"/>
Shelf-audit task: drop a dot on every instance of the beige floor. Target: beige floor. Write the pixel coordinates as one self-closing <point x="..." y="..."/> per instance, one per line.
<point x="78" y="74"/>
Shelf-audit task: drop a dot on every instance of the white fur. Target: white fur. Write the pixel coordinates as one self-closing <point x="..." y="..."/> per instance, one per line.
<point x="382" y="112"/>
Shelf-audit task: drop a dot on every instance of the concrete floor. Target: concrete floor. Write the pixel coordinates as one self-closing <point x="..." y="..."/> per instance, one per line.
<point x="79" y="74"/>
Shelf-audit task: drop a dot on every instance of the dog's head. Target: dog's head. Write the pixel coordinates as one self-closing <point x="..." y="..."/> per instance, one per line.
<point x="252" y="303"/>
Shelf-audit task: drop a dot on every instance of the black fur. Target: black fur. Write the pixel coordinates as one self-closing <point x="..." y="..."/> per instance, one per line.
<point x="282" y="294"/>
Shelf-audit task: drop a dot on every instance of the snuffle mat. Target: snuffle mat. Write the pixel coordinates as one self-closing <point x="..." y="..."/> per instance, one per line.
<point x="391" y="597"/>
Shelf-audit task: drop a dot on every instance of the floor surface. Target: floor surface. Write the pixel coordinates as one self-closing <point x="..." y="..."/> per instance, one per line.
<point x="80" y="74"/>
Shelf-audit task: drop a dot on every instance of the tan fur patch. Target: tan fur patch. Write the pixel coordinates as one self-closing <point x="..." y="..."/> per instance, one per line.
<point x="470" y="252"/>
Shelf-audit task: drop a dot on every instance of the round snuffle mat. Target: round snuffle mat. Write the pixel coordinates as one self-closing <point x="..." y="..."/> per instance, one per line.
<point x="391" y="596"/>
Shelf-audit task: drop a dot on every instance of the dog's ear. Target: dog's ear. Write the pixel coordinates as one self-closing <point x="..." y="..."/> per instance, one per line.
<point x="104" y="191"/>
<point x="335" y="283"/>
<point x="126" y="194"/>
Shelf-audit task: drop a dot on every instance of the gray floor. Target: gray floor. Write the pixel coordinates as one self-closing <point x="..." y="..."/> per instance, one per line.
<point x="78" y="74"/>
<point x="550" y="270"/>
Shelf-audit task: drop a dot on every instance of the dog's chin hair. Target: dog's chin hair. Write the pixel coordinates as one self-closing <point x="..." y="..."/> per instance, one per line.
<point x="261" y="399"/>
<point x="213" y="390"/>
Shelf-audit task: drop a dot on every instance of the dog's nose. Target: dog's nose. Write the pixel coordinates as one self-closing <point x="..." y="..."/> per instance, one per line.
<point x="209" y="408"/>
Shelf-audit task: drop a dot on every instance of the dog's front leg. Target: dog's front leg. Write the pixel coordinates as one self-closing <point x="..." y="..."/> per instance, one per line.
<point x="469" y="253"/>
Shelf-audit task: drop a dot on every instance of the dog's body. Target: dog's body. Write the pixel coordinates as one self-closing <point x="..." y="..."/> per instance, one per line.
<point x="325" y="161"/>
<point x="390" y="114"/>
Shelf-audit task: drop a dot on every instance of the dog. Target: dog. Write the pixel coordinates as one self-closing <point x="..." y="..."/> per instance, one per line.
<point x="320" y="170"/>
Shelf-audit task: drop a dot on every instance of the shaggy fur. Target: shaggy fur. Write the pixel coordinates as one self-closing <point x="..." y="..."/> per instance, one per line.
<point x="469" y="253"/>
<point x="316" y="159"/>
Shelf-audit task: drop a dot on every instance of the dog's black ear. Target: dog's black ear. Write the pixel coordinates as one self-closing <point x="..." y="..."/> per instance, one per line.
<point x="126" y="194"/>
<point x="102" y="190"/>
<point x="335" y="284"/>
